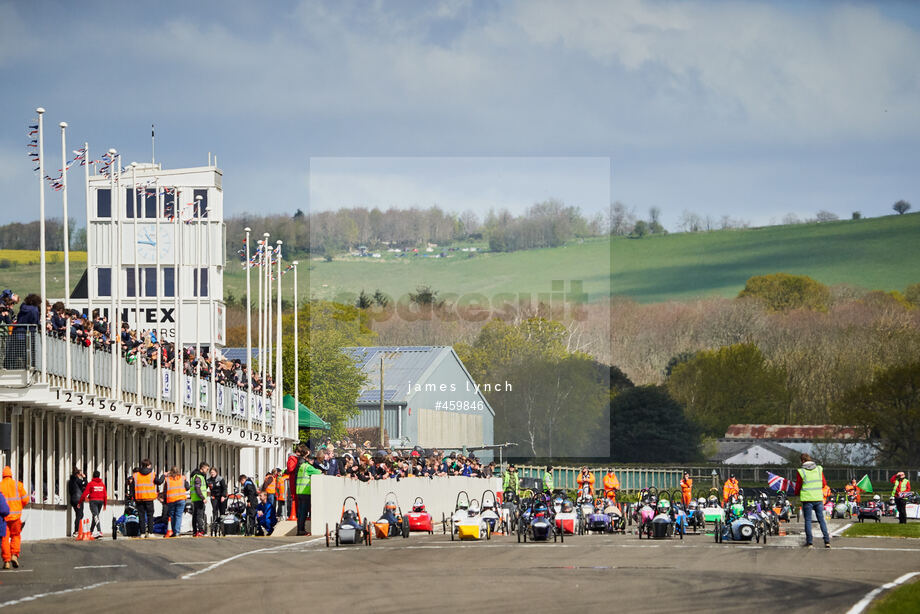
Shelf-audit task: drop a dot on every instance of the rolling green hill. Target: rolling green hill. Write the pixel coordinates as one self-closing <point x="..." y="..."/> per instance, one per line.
<point x="879" y="253"/>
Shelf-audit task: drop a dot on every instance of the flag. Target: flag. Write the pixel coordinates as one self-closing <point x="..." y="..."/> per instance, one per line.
<point x="778" y="483"/>
<point x="864" y="484"/>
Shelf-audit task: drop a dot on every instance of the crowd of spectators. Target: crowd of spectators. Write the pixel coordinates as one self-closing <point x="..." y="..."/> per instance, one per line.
<point x="133" y="345"/>
<point x="355" y="461"/>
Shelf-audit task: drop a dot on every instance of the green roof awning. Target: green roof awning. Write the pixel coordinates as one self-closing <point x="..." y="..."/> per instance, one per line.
<point x="306" y="419"/>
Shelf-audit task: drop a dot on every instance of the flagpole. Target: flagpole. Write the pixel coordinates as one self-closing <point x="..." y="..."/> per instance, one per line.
<point x="137" y="286"/>
<point x="296" y="347"/>
<point x="212" y="349"/>
<point x="116" y="277"/>
<point x="260" y="257"/>
<point x="269" y="310"/>
<point x="113" y="273"/>
<point x="248" y="336"/>
<point x="41" y="242"/>
<point x="89" y="274"/>
<point x="278" y="394"/>
<point x="159" y="282"/>
<point x="178" y="348"/>
<point x="69" y="358"/>
<point x="266" y="266"/>
<point x="197" y="212"/>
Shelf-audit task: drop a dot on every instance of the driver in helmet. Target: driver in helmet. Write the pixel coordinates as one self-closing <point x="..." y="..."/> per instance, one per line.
<point x="389" y="513"/>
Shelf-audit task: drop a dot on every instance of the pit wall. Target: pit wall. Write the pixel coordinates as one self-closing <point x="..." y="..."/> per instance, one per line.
<point x="439" y="494"/>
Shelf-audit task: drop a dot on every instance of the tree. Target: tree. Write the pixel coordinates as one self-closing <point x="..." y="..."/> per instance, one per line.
<point x="648" y="426"/>
<point x="363" y="301"/>
<point x="424" y="296"/>
<point x="912" y="294"/>
<point x="782" y="292"/>
<point x="902" y="207"/>
<point x="559" y="401"/>
<point x="330" y="380"/>
<point x="857" y="215"/>
<point x="887" y="413"/>
<point x="640" y="229"/>
<point x="826" y="216"/>
<point x="729" y="385"/>
<point x="380" y="298"/>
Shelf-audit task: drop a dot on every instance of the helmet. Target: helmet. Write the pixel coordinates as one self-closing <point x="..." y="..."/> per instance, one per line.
<point x="737" y="509"/>
<point x="488" y="504"/>
<point x="418" y="507"/>
<point x="390" y="506"/>
<point x="539" y="508"/>
<point x="876" y="498"/>
<point x="567" y="506"/>
<point x="701" y="501"/>
<point x="349" y="516"/>
<point x="664" y="505"/>
<point x="473" y="510"/>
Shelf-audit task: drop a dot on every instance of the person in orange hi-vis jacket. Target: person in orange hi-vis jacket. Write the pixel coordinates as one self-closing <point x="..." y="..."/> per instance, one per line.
<point x="686" y="486"/>
<point x="611" y="485"/>
<point x="585" y="477"/>
<point x="730" y="488"/>
<point x="17" y="499"/>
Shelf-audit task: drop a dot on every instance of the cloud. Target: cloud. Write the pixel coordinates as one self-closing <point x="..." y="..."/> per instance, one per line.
<point x="768" y="72"/>
<point x="632" y="80"/>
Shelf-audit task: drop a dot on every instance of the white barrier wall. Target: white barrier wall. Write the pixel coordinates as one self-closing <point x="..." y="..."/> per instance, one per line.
<point x="440" y="495"/>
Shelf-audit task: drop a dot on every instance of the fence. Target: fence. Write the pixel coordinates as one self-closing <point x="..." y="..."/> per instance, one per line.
<point x="18" y="346"/>
<point x="706" y="477"/>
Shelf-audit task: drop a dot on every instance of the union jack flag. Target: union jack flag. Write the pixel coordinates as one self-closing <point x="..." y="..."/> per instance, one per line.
<point x="778" y="483"/>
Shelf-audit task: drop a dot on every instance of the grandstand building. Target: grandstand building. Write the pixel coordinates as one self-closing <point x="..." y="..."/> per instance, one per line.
<point x="155" y="259"/>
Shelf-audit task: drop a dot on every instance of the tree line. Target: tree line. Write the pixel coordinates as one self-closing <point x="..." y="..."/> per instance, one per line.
<point x="330" y="233"/>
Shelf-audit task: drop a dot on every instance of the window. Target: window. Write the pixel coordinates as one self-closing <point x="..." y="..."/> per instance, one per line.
<point x="150" y="281"/>
<point x="169" y="281"/>
<point x="203" y="275"/>
<point x="104" y="281"/>
<point x="130" y="286"/>
<point x="169" y="200"/>
<point x="129" y="203"/>
<point x="103" y="203"/>
<point x="202" y="211"/>
<point x="150" y="204"/>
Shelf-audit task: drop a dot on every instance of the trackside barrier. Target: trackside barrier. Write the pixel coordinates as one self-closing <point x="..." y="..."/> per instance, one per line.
<point x="440" y="495"/>
<point x="631" y="478"/>
<point x="634" y="478"/>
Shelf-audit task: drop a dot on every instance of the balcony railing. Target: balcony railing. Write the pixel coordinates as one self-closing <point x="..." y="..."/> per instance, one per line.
<point x="144" y="385"/>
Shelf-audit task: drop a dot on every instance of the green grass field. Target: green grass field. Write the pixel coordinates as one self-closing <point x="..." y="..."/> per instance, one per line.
<point x="879" y="253"/>
<point x="883" y="529"/>
<point x="902" y="600"/>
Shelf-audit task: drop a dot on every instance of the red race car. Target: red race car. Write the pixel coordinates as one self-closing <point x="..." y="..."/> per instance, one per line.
<point x="419" y="518"/>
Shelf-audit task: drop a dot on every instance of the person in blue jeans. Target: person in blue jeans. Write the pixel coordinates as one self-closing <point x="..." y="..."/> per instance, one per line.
<point x="809" y="485"/>
<point x="176" y="495"/>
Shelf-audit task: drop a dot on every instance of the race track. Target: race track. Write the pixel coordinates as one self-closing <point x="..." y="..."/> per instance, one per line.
<point x="424" y="573"/>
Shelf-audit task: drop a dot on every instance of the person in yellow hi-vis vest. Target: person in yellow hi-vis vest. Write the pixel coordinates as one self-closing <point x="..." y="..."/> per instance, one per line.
<point x="809" y="486"/>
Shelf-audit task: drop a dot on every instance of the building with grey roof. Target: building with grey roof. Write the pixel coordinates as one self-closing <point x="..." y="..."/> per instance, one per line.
<point x="430" y="399"/>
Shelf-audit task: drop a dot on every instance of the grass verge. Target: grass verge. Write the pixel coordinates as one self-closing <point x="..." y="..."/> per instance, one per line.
<point x="902" y="600"/>
<point x="883" y="529"/>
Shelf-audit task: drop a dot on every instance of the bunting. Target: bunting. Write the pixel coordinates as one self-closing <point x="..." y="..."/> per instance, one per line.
<point x="32" y="147"/>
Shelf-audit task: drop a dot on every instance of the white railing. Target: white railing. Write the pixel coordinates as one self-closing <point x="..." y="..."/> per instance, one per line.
<point x="229" y="407"/>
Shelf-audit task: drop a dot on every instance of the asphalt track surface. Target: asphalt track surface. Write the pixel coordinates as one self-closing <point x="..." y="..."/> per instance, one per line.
<point x="429" y="572"/>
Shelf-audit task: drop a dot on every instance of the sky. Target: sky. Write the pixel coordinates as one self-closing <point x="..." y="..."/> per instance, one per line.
<point x="749" y="109"/>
